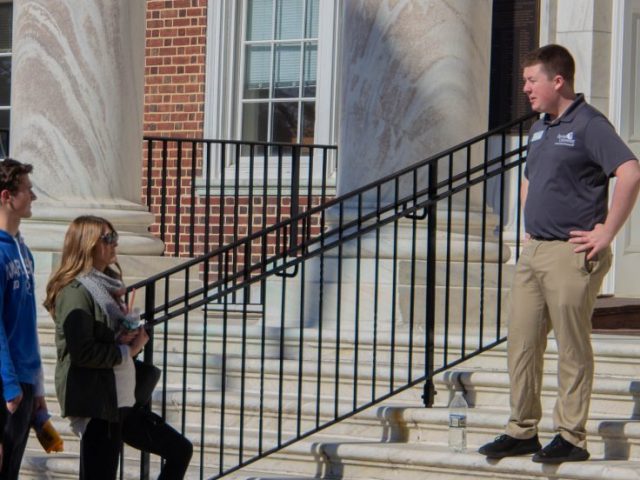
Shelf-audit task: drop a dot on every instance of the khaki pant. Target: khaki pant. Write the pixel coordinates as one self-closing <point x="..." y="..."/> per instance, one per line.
<point x="553" y="288"/>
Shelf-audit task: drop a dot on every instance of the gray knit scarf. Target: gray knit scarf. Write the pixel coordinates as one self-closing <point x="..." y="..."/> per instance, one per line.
<point x="105" y="290"/>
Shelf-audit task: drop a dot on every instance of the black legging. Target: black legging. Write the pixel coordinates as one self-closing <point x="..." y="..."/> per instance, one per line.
<point x="148" y="432"/>
<point x="141" y="429"/>
<point x="100" y="450"/>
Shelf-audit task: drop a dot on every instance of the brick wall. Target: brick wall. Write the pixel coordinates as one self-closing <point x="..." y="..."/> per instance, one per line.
<point x="175" y="59"/>
<point x="175" y="66"/>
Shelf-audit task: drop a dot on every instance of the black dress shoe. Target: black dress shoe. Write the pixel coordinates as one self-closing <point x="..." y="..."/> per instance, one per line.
<point x="559" y="450"/>
<point x="506" y="446"/>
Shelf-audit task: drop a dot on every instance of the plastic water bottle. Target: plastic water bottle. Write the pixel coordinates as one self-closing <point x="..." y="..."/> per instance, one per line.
<point x="458" y="423"/>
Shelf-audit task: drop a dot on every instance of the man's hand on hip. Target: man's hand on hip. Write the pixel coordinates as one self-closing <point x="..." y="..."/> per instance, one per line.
<point x="592" y="241"/>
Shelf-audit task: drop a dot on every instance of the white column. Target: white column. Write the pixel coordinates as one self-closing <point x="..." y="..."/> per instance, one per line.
<point x="584" y="28"/>
<point x="77" y="103"/>
<point x="414" y="81"/>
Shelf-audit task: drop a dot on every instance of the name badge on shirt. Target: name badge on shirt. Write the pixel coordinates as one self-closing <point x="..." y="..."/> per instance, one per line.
<point x="537" y="136"/>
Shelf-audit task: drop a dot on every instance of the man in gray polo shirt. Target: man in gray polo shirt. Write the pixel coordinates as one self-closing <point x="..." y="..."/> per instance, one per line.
<point x="573" y="151"/>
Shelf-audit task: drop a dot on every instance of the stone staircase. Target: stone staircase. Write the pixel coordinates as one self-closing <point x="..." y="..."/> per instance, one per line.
<point x="397" y="438"/>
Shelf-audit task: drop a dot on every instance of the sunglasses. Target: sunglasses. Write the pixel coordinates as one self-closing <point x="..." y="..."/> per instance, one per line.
<point x="110" y="238"/>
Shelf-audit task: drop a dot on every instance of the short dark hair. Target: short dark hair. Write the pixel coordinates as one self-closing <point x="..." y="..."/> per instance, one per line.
<point x="555" y="59"/>
<point x="11" y="171"/>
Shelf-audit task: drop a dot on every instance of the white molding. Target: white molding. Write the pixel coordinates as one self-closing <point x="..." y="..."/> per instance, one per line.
<point x="617" y="64"/>
<point x="220" y="69"/>
<point x="548" y="9"/>
<point x="325" y="124"/>
<point x="615" y="112"/>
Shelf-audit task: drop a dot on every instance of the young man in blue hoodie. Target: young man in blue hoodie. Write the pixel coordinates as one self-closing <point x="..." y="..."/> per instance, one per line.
<point x="20" y="363"/>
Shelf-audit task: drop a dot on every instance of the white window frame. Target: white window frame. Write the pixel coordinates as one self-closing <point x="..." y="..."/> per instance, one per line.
<point x="224" y="72"/>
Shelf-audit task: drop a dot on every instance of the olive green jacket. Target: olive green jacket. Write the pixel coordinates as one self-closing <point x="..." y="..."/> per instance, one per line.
<point x="86" y="354"/>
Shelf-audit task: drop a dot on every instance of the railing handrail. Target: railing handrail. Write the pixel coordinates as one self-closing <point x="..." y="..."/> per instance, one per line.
<point x="219" y="141"/>
<point x="340" y="199"/>
<point x="201" y="177"/>
<point x="289" y="255"/>
<point x="293" y="252"/>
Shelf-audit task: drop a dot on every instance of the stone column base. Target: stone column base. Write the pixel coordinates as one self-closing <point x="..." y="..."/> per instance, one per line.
<point x="45" y="230"/>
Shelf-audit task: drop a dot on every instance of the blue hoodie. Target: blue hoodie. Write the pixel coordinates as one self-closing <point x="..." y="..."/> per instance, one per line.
<point x="19" y="350"/>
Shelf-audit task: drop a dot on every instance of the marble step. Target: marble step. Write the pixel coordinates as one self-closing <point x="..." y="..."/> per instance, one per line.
<point x="37" y="465"/>
<point x="610" y="393"/>
<point x="612" y="436"/>
<point x="323" y="452"/>
<point x="484" y="376"/>
<point x="608" y="436"/>
<point x="366" y="460"/>
<point x="486" y="387"/>
<point x="403" y="416"/>
<point x="442" y="419"/>
<point x="607" y="348"/>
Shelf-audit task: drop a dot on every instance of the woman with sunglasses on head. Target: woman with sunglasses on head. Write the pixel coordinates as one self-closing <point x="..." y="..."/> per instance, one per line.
<point x="95" y="373"/>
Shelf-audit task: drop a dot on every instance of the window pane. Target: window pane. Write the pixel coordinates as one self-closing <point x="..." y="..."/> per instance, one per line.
<point x="287" y="71"/>
<point x="283" y="66"/>
<point x="5" y="81"/>
<point x="308" y="122"/>
<point x="257" y="72"/>
<point x="310" y="70"/>
<point x="6" y="20"/>
<point x="259" y="19"/>
<point x="311" y="22"/>
<point x="285" y="122"/>
<point x="289" y="20"/>
<point x="255" y="122"/>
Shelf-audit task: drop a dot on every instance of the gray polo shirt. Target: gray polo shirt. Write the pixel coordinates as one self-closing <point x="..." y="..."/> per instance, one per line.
<point x="569" y="162"/>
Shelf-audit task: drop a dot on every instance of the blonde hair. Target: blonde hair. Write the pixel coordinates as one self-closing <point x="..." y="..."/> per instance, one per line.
<point x="80" y="242"/>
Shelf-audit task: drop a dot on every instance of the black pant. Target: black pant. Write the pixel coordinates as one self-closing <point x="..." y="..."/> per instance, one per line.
<point x="16" y="434"/>
<point x="100" y="450"/>
<point x="148" y="432"/>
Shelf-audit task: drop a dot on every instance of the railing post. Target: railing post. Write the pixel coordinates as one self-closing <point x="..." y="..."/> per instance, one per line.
<point x="149" y="306"/>
<point x="295" y="193"/>
<point x="429" y="390"/>
<point x="149" y="173"/>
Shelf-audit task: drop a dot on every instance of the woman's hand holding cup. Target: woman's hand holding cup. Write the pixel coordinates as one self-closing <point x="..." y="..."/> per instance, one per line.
<point x="139" y="341"/>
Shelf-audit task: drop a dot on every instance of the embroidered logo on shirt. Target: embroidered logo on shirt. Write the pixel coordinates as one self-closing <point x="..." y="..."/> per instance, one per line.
<point x="537" y="136"/>
<point x="566" y="140"/>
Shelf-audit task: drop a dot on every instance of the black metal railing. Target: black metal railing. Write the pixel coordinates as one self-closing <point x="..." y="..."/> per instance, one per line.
<point x="4" y="143"/>
<point x="208" y="193"/>
<point x="405" y="281"/>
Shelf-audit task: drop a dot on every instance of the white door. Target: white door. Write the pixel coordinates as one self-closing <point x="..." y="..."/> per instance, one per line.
<point x="625" y="114"/>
